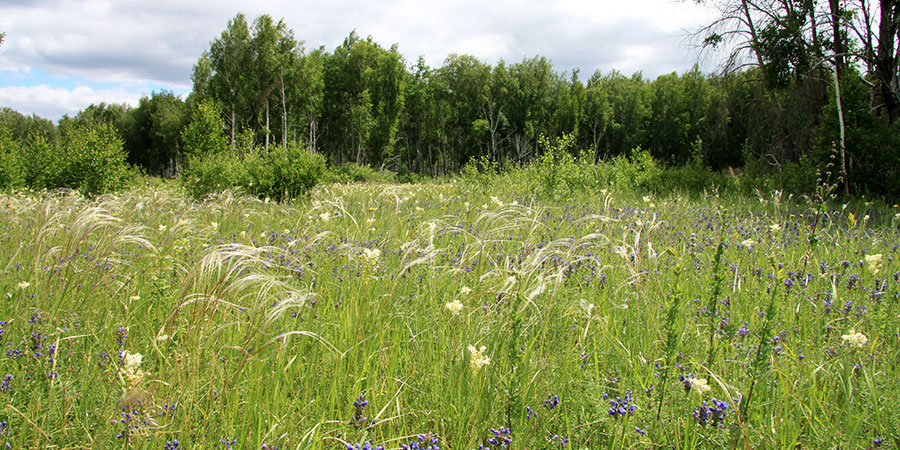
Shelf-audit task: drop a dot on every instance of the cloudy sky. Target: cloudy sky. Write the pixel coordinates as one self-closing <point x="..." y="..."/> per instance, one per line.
<point x="62" y="55"/>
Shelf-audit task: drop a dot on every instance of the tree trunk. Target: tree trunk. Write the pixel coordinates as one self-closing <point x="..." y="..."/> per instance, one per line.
<point x="284" y="133"/>
<point x="267" y="126"/>
<point x="232" y="127"/>
<point x="886" y="60"/>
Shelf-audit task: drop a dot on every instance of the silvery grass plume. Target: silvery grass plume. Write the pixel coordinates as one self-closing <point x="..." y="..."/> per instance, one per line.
<point x="70" y="225"/>
<point x="421" y="250"/>
<point x="635" y="239"/>
<point x="532" y="271"/>
<point x="242" y="279"/>
<point x="325" y="210"/>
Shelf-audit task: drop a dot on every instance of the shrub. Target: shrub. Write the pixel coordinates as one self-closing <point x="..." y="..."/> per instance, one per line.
<point x="213" y="173"/>
<point x="636" y="171"/>
<point x="12" y="174"/>
<point x="284" y="173"/>
<point x="355" y="173"/>
<point x="90" y="158"/>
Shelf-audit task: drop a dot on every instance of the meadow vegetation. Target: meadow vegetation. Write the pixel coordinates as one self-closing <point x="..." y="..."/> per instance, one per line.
<point x="560" y="305"/>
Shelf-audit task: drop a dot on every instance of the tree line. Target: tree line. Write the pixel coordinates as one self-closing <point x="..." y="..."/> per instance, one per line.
<point x="812" y="91"/>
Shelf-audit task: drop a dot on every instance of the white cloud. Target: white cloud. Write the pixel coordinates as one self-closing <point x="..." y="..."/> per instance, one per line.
<point x="52" y="102"/>
<point x="136" y="43"/>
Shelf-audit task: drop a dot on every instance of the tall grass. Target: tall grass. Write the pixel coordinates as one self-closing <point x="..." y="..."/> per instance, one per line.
<point x="446" y="314"/>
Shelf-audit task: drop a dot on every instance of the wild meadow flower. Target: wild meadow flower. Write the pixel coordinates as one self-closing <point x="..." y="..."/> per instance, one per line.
<point x="131" y="368"/>
<point x="873" y="262"/>
<point x="455" y="307"/>
<point x="464" y="290"/>
<point x="364" y="446"/>
<point x="551" y="402"/>
<point x="748" y="243"/>
<point x="694" y="384"/>
<point x="714" y="412"/>
<point x="501" y="437"/>
<point x="477" y="358"/>
<point x="23" y="285"/>
<point x="423" y="442"/>
<point x="855" y="340"/>
<point x="371" y="256"/>
<point x="775" y="227"/>
<point x="163" y="228"/>
<point x="622" y="407"/>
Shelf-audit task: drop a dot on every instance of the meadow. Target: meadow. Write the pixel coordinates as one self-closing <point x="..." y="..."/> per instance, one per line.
<point x="447" y="315"/>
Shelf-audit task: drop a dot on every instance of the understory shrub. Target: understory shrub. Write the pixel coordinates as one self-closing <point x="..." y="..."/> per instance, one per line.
<point x="284" y="173"/>
<point x="88" y="158"/>
<point x="213" y="173"/>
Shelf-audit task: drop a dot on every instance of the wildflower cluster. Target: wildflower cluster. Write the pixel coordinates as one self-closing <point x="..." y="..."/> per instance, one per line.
<point x="359" y="420"/>
<point x="873" y="263"/>
<point x="423" y="442"/>
<point x="364" y="446"/>
<point x="455" y="307"/>
<point x="855" y="340"/>
<point x="694" y="384"/>
<point x="551" y="402"/>
<point x="622" y="407"/>
<point x="501" y="438"/>
<point x="714" y="412"/>
<point x="477" y="358"/>
<point x="131" y="368"/>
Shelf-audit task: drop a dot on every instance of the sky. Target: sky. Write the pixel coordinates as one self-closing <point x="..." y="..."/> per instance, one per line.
<point x="60" y="56"/>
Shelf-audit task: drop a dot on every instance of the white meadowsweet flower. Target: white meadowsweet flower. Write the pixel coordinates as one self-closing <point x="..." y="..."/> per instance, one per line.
<point x="134" y="298"/>
<point x="874" y="263"/>
<point x="131" y="368"/>
<point x="23" y="285"/>
<point x="477" y="358"/>
<point x="775" y="227"/>
<point x="748" y="243"/>
<point x="699" y="385"/>
<point x="325" y="217"/>
<point x="163" y="228"/>
<point x="855" y="340"/>
<point x="465" y="290"/>
<point x="371" y="255"/>
<point x="455" y="307"/>
<point x="215" y="226"/>
<point x="133" y="361"/>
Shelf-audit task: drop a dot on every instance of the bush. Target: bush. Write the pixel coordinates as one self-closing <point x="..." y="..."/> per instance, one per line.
<point x="636" y="171"/>
<point x="12" y="174"/>
<point x="90" y="159"/>
<point x="284" y="173"/>
<point x="214" y="173"/>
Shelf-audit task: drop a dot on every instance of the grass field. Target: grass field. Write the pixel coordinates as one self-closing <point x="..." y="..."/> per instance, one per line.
<point x="443" y="316"/>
